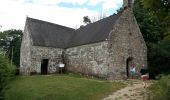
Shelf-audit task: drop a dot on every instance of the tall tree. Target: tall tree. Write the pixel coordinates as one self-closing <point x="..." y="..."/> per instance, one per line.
<point x="153" y="27"/>
<point x="10" y="42"/>
<point x="160" y="7"/>
<point x="150" y="25"/>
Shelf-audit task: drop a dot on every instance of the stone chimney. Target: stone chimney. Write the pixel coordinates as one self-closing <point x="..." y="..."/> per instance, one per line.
<point x="128" y="3"/>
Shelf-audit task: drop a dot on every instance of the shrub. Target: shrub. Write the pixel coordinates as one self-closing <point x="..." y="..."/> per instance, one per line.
<point x="6" y="72"/>
<point x="160" y="90"/>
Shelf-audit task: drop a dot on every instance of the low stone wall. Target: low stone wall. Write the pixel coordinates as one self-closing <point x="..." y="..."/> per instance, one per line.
<point x="91" y="59"/>
<point x="54" y="55"/>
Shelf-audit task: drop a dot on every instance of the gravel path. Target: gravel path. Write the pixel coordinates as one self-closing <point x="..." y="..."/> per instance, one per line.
<point x="133" y="91"/>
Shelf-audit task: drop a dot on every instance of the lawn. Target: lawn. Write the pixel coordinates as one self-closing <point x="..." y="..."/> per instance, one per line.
<point x="59" y="87"/>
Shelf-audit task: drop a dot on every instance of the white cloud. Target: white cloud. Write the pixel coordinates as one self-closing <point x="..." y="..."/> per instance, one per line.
<point x="80" y="2"/>
<point x="14" y="15"/>
<point x="95" y="2"/>
<point x="13" y="12"/>
<point x="52" y="2"/>
<point x="111" y="4"/>
<point x="107" y="4"/>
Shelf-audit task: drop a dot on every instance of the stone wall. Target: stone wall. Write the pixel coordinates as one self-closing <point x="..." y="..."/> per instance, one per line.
<point x="31" y="56"/>
<point x="38" y="53"/>
<point x="106" y="59"/>
<point x="125" y="42"/>
<point x="25" y="57"/>
<point x="91" y="59"/>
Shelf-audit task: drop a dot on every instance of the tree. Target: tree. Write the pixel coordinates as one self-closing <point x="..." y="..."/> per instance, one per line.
<point x="150" y="25"/>
<point x="98" y="17"/>
<point x="156" y="35"/>
<point x="160" y="7"/>
<point x="86" y="20"/>
<point x="160" y="56"/>
<point x="10" y="42"/>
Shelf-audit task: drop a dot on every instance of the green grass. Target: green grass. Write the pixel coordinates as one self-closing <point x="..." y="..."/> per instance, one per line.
<point x="160" y="90"/>
<point x="59" y="87"/>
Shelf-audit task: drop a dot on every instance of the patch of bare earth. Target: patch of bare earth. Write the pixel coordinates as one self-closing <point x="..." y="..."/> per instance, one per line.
<point x="133" y="91"/>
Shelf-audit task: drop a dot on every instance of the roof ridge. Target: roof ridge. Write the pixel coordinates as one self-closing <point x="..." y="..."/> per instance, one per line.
<point x="42" y="21"/>
<point x="65" y="37"/>
<point x="113" y="15"/>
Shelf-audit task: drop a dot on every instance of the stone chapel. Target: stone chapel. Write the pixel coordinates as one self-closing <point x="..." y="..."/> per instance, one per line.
<point x="105" y="48"/>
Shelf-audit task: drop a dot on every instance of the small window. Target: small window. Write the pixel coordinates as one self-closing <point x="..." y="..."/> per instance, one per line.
<point x="129" y="2"/>
<point x="130" y="33"/>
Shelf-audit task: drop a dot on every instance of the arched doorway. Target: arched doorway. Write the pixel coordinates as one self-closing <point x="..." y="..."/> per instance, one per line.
<point x="128" y="64"/>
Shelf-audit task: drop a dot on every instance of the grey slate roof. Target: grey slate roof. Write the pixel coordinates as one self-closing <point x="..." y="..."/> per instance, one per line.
<point x="53" y="35"/>
<point x="49" y="34"/>
<point x="94" y="32"/>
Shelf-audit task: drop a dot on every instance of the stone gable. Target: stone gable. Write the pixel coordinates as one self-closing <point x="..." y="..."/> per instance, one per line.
<point x="105" y="52"/>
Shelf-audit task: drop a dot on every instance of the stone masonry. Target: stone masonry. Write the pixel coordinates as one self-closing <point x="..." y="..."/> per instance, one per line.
<point x="106" y="49"/>
<point x="89" y="59"/>
<point x="54" y="55"/>
<point x="125" y="42"/>
<point x="31" y="56"/>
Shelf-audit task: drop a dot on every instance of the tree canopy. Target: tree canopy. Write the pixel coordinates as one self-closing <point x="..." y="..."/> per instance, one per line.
<point x="160" y="7"/>
<point x="86" y="20"/>
<point x="10" y="42"/>
<point x="154" y="26"/>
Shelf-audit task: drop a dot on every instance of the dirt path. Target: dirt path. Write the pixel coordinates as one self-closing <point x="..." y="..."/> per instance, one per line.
<point x="133" y="91"/>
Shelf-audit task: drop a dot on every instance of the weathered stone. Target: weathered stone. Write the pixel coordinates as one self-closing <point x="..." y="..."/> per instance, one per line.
<point x="52" y="54"/>
<point x="94" y="61"/>
<point x="109" y="59"/>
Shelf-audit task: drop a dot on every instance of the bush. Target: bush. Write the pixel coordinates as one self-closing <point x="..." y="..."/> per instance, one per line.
<point x="159" y="57"/>
<point x="160" y="90"/>
<point x="7" y="71"/>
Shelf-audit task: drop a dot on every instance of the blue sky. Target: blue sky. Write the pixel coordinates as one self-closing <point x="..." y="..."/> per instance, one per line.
<point x="64" y="12"/>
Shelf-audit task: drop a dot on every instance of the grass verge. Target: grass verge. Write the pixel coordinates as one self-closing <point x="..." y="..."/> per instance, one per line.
<point x="160" y="90"/>
<point x="58" y="87"/>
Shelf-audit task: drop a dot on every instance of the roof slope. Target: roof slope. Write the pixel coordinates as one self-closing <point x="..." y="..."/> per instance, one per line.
<point x="94" y="32"/>
<point x="49" y="34"/>
<point x="53" y="35"/>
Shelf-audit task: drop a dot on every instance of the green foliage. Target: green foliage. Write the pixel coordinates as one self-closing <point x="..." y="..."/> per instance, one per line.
<point x="150" y="26"/>
<point x="86" y="20"/>
<point x="60" y="87"/>
<point x="6" y="72"/>
<point x="160" y="90"/>
<point x="10" y="41"/>
<point x="120" y="9"/>
<point x="2" y="52"/>
<point x="156" y="35"/>
<point x="161" y="56"/>
<point x="159" y="7"/>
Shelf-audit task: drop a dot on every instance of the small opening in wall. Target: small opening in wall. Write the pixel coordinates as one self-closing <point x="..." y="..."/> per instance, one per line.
<point x="129" y="3"/>
<point x="130" y="33"/>
<point x="44" y="67"/>
<point x="128" y="64"/>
